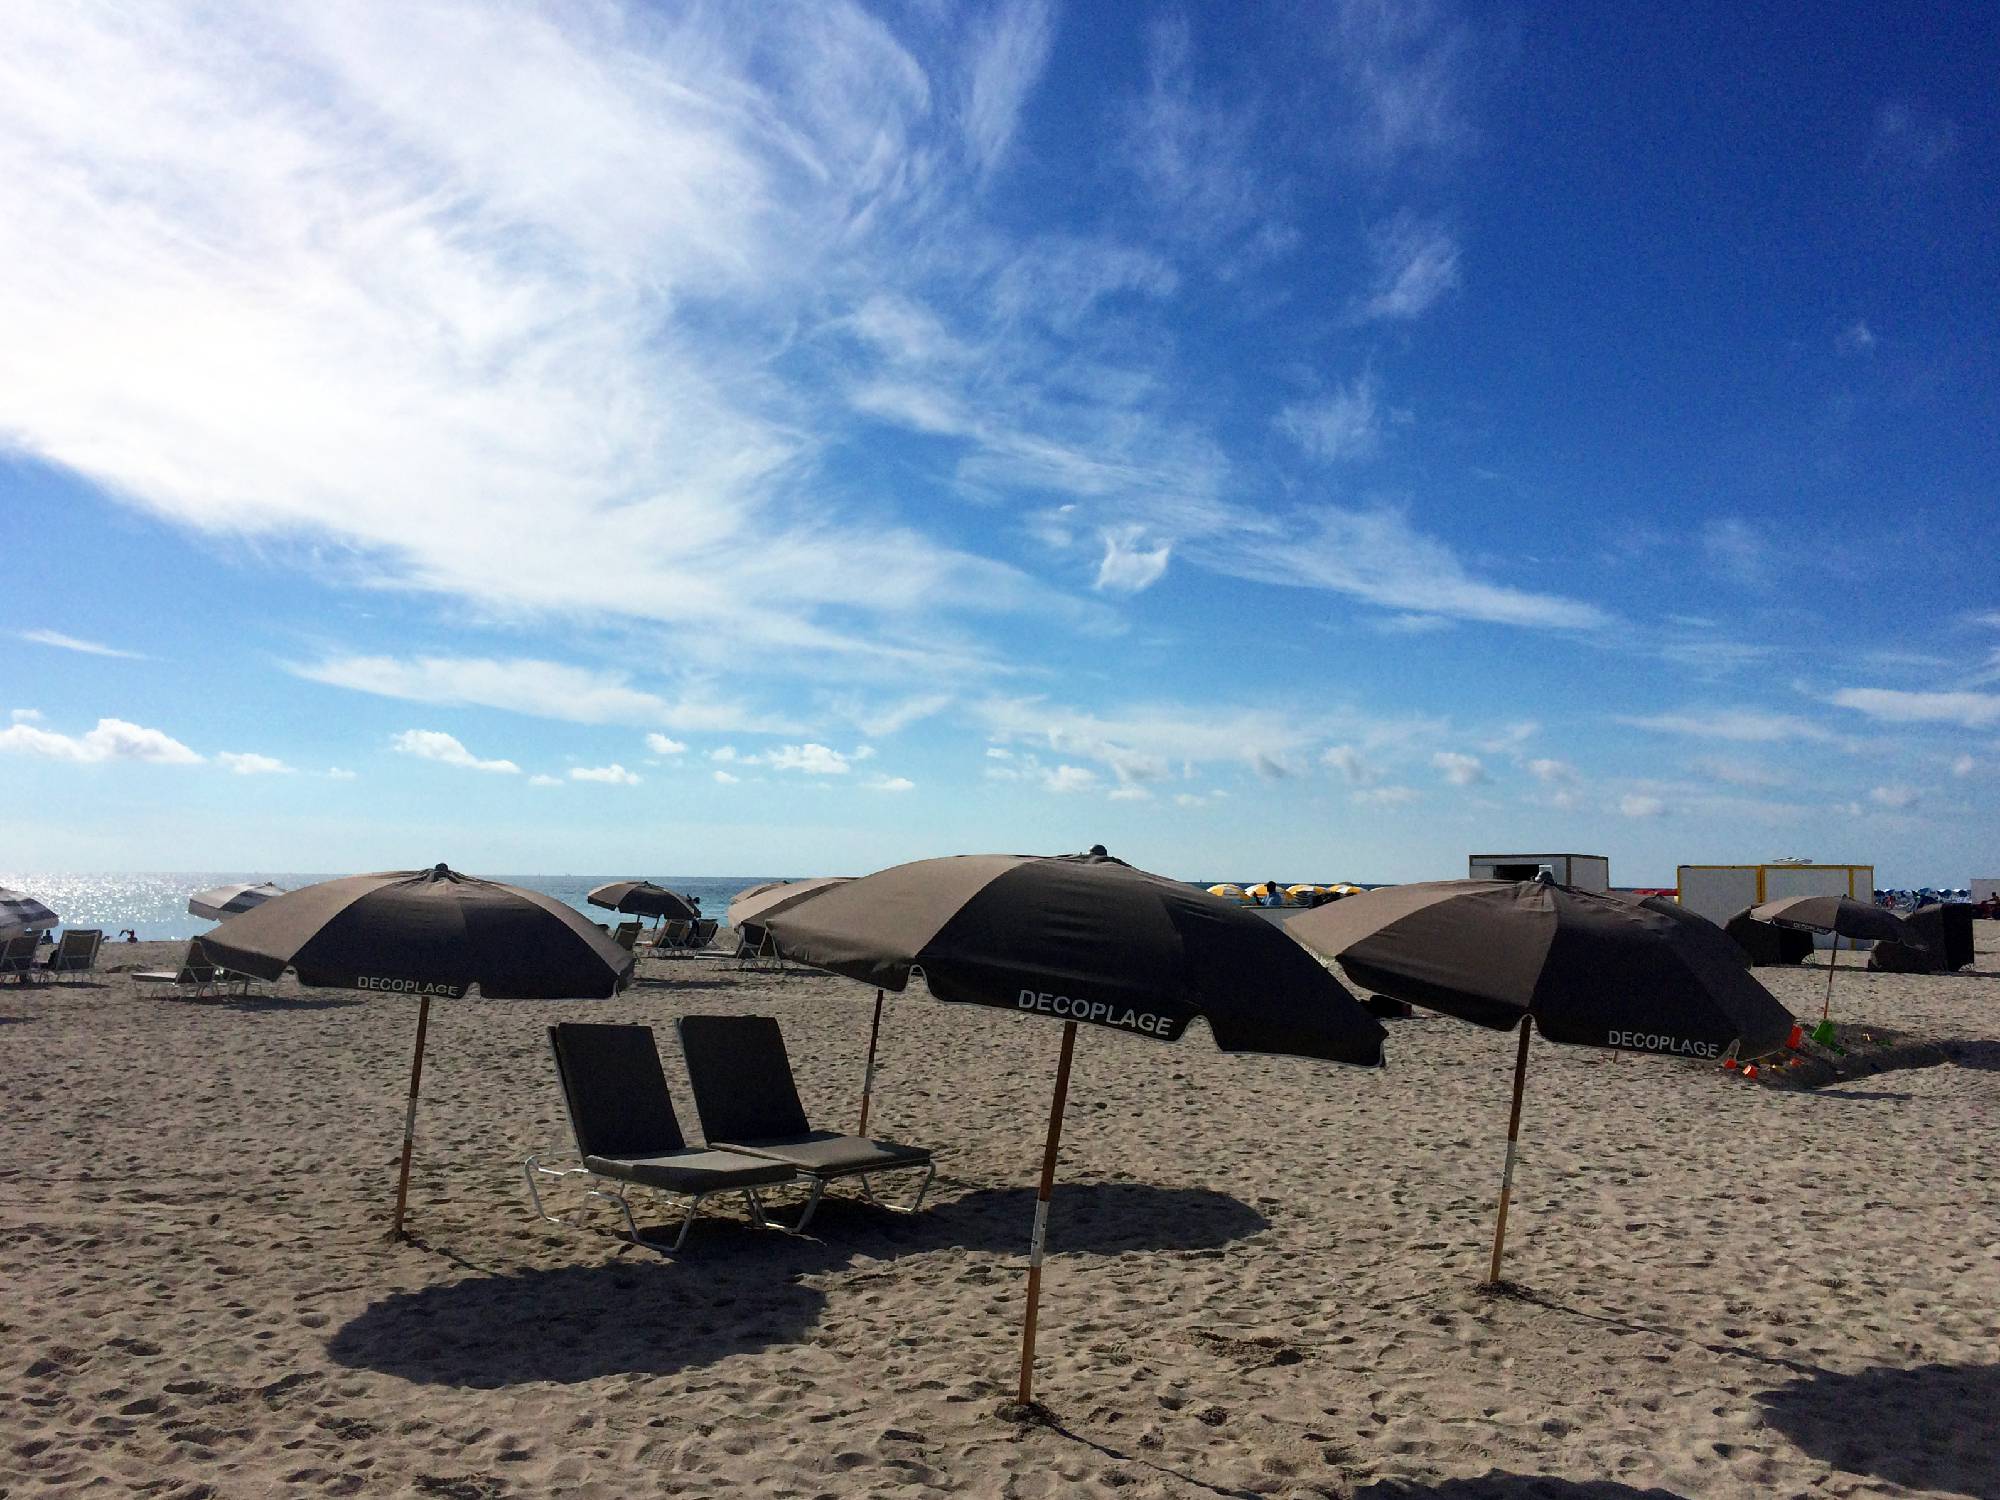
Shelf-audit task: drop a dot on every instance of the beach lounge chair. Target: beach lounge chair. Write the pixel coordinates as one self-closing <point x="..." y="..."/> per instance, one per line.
<point x="76" y="953"/>
<point x="626" y="935"/>
<point x="196" y="976"/>
<point x="17" y="958"/>
<point x="626" y="1133"/>
<point x="747" y="1101"/>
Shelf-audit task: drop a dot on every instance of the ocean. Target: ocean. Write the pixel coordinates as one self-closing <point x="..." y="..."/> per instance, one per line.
<point x="155" y="905"/>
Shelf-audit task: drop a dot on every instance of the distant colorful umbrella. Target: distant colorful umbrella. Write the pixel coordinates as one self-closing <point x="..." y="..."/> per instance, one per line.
<point x="1228" y="890"/>
<point x="230" y="900"/>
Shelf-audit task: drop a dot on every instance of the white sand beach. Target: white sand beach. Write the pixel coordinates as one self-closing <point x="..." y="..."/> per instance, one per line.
<point x="1264" y="1279"/>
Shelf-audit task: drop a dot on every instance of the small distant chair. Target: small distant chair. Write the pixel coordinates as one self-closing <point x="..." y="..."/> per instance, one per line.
<point x="196" y="976"/>
<point x="17" y="959"/>
<point x="76" y="954"/>
<point x="748" y="1102"/>
<point x="623" y="1120"/>
<point x="683" y="939"/>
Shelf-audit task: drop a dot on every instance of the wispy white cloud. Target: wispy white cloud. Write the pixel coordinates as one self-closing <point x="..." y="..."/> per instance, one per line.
<point x="516" y="305"/>
<point x="1416" y="267"/>
<point x="1855" y="338"/>
<point x="110" y="740"/>
<point x="338" y="773"/>
<point x="1403" y="70"/>
<point x="1740" y="772"/>
<point x="1910" y="137"/>
<point x="723" y="778"/>
<point x="1388" y="796"/>
<point x="541" y="778"/>
<point x="811" y="758"/>
<point x="1963" y="765"/>
<point x="1742" y="725"/>
<point x="71" y="643"/>
<point x="1459" y="769"/>
<point x="1129" y="566"/>
<point x="1346" y="424"/>
<point x="1070" y="779"/>
<point x="611" y="775"/>
<point x="1552" y="772"/>
<point x="25" y="715"/>
<point x="1737" y="550"/>
<point x="1641" y="805"/>
<point x="1008" y="54"/>
<point x="1378" y="557"/>
<point x="435" y="744"/>
<point x="661" y="744"/>
<point x="879" y="720"/>
<point x="1895" y="706"/>
<point x="249" y="763"/>
<point x="1895" y="798"/>
<point x="1129" y="794"/>
<point x="889" y="784"/>
<point x="1348" y="762"/>
<point x="545" y="689"/>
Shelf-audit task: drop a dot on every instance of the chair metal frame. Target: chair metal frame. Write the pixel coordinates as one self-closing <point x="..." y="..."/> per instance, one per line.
<point x="616" y="1193"/>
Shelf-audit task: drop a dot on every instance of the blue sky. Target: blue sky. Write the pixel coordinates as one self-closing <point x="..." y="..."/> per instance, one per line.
<point x="1311" y="440"/>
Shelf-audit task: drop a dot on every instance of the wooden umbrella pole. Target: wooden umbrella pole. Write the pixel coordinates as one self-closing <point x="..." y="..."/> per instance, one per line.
<point x="1042" y="1213"/>
<point x="410" y="1116"/>
<point x="1513" y="1136"/>
<point x="868" y="1073"/>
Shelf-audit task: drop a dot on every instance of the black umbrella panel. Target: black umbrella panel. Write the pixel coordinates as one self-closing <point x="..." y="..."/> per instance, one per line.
<point x="1081" y="939"/>
<point x="642" y="898"/>
<point x="1842" y="916"/>
<point x="1583" y="967"/>
<point x="423" y="933"/>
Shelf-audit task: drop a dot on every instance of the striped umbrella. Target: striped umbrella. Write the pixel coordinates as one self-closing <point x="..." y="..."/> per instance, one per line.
<point x="20" y="914"/>
<point x="227" y="900"/>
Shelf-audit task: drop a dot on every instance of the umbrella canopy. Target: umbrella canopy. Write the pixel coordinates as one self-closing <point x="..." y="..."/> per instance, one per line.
<point x="1081" y="939"/>
<point x="1086" y="938"/>
<point x="230" y="900"/>
<point x="751" y="907"/>
<point x="1668" y="906"/>
<point x="641" y="898"/>
<point x="20" y="914"/>
<point x="1589" y="968"/>
<point x="1842" y="915"/>
<point x="424" y="933"/>
<point x="1581" y="966"/>
<point x="1228" y="888"/>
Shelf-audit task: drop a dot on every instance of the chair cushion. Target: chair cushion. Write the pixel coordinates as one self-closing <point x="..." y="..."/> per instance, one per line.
<point x="821" y="1153"/>
<point x="692" y="1171"/>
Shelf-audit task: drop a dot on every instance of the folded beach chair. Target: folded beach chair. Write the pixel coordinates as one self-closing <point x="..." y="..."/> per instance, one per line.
<point x="626" y="1133"/>
<point x="747" y="1101"/>
<point x="626" y="935"/>
<point x="196" y="976"/>
<point x="17" y="958"/>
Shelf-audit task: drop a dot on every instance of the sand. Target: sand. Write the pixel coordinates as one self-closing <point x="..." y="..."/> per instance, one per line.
<point x="1264" y="1278"/>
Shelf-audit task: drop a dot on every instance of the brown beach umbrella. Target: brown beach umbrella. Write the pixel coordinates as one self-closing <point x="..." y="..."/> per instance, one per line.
<point x="750" y="908"/>
<point x="1080" y="939"/>
<point x="1842" y="916"/>
<point x="423" y="933"/>
<point x="642" y="898"/>
<point x="1583" y="967"/>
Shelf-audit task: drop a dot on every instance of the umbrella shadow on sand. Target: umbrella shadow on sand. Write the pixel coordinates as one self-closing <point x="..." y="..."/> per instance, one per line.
<point x="736" y="1289"/>
<point x="1927" y="1428"/>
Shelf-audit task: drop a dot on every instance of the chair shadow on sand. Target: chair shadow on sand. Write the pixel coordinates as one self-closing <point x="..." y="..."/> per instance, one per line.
<point x="1929" y="1428"/>
<point x="736" y="1288"/>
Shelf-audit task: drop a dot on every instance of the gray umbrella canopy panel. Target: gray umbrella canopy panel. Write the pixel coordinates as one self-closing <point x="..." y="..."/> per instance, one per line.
<point x="1085" y="940"/>
<point x="642" y="898"/>
<point x="230" y="900"/>
<point x="21" y="914"/>
<point x="747" y="913"/>
<point x="424" y="933"/>
<point x="1082" y="938"/>
<point x="1581" y="967"/>
<point x="1590" y="969"/>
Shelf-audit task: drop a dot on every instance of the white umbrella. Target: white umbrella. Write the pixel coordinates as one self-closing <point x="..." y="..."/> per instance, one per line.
<point x="228" y="900"/>
<point x="20" y="914"/>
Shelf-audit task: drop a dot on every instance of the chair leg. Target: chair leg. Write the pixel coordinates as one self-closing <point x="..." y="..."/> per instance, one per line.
<point x="868" y="1192"/>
